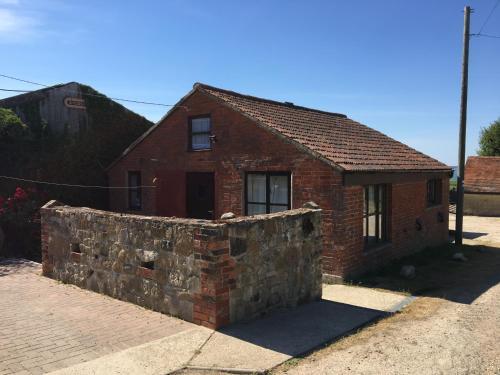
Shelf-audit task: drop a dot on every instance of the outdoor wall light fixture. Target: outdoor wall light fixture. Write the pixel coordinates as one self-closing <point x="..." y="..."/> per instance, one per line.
<point x="418" y="225"/>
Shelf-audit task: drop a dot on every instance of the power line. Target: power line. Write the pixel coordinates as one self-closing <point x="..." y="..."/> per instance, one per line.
<point x="22" y="80"/>
<point x="85" y="94"/>
<point x="15" y="90"/>
<point x="489" y="16"/>
<point x="486" y="36"/>
<point x="76" y="185"/>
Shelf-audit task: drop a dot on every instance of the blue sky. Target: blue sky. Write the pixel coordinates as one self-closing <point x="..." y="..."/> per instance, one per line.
<point x="393" y="65"/>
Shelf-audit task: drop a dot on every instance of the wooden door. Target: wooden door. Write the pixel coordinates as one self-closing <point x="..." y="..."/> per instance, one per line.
<point x="200" y="195"/>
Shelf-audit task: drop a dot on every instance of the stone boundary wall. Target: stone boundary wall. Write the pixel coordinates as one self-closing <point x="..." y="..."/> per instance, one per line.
<point x="211" y="273"/>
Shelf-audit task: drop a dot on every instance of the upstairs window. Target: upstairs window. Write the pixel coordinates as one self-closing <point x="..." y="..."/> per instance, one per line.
<point x="375" y="215"/>
<point x="200" y="130"/>
<point x="434" y="192"/>
<point x="134" y="190"/>
<point x="267" y="192"/>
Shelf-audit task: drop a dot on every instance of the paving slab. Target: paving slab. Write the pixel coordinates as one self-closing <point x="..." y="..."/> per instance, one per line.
<point x="157" y="357"/>
<point x="265" y="343"/>
<point x="366" y="297"/>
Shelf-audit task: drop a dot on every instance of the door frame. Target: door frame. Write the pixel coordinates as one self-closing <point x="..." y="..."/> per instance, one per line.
<point x="214" y="200"/>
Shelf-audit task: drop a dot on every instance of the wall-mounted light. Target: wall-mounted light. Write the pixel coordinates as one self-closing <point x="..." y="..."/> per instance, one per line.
<point x="418" y="225"/>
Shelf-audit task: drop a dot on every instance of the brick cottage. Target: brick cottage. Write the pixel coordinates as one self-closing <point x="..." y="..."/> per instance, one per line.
<point x="220" y="151"/>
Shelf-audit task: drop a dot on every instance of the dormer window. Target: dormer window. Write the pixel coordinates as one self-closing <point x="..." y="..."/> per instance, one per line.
<point x="200" y="131"/>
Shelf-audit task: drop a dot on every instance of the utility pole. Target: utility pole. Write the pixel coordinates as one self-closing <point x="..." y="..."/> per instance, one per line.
<point x="463" y="123"/>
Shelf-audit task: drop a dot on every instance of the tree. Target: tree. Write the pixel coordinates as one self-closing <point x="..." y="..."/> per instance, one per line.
<point x="489" y="140"/>
<point x="11" y="126"/>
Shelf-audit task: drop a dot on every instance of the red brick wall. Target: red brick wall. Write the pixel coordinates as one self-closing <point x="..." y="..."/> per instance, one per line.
<point x="408" y="202"/>
<point x="243" y="146"/>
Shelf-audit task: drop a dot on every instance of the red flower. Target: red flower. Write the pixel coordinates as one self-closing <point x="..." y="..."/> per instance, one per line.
<point x="20" y="194"/>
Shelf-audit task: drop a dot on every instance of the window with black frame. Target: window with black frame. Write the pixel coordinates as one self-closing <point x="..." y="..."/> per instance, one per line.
<point x="434" y="192"/>
<point x="134" y="191"/>
<point x="200" y="130"/>
<point x="267" y="192"/>
<point x="375" y="215"/>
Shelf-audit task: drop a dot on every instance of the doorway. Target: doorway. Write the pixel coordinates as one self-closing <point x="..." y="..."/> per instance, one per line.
<point x="200" y="195"/>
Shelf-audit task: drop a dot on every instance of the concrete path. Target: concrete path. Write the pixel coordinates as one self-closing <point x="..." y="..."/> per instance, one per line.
<point x="48" y="326"/>
<point x="265" y="343"/>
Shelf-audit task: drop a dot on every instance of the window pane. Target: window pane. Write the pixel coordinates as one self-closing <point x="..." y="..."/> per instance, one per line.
<point x="278" y="189"/>
<point x="365" y="194"/>
<point x="135" y="199"/>
<point x="201" y="141"/>
<point x="134" y="181"/>
<point x="371" y="229"/>
<point x="371" y="199"/>
<point x="200" y="125"/>
<point x="277" y="208"/>
<point x="380" y="227"/>
<point x="256" y="188"/>
<point x="256" y="209"/>
<point x="374" y="223"/>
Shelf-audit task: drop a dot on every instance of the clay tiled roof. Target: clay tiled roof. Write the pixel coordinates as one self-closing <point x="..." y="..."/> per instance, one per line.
<point x="344" y="142"/>
<point x="482" y="174"/>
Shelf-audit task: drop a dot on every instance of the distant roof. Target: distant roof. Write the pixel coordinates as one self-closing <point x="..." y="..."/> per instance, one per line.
<point x="347" y="143"/>
<point x="31" y="95"/>
<point x="482" y="174"/>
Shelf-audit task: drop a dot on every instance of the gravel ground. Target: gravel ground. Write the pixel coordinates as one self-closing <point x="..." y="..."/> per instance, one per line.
<point x="433" y="336"/>
<point x="458" y="333"/>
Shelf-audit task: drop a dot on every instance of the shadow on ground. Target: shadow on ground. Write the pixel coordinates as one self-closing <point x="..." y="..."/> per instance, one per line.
<point x="259" y="345"/>
<point x="295" y="331"/>
<point x="438" y="275"/>
<point x="473" y="235"/>
<point x="14" y="265"/>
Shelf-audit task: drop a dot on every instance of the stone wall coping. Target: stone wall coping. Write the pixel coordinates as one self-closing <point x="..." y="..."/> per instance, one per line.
<point x="61" y="208"/>
<point x="263" y="217"/>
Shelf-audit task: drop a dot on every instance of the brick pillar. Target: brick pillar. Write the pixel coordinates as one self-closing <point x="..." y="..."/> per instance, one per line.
<point x="211" y="306"/>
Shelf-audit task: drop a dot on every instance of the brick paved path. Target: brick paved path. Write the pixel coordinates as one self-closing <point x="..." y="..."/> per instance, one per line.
<point x="46" y="325"/>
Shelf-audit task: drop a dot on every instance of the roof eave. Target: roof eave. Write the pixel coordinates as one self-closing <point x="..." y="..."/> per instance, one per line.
<point x="150" y="130"/>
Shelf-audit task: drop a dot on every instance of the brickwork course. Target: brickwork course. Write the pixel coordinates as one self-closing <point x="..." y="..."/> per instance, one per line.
<point x="329" y="156"/>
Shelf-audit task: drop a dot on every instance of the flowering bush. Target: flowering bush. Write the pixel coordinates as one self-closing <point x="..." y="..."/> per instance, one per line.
<point x="20" y="221"/>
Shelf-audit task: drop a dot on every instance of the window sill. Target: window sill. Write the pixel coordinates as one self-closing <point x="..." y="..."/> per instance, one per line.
<point x="377" y="248"/>
<point x="201" y="149"/>
<point x="438" y="205"/>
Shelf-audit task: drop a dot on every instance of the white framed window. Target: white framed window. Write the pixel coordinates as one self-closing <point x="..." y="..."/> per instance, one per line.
<point x="267" y="192"/>
<point x="200" y="130"/>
